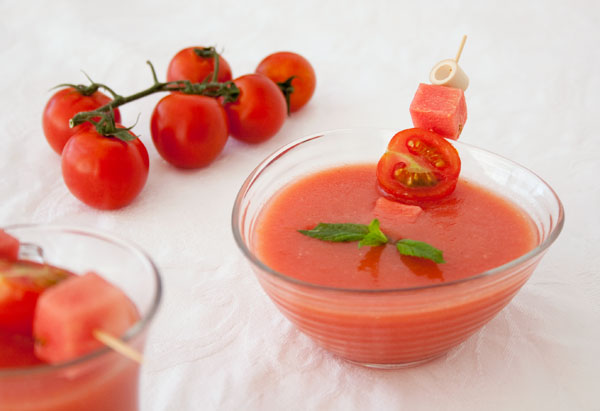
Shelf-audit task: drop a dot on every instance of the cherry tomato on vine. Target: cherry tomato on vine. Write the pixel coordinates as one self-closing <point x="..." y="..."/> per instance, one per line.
<point x="61" y="107"/>
<point x="104" y="172"/>
<point x="259" y="111"/>
<point x="282" y="65"/>
<point x="189" y="131"/>
<point x="419" y="165"/>
<point x="187" y="64"/>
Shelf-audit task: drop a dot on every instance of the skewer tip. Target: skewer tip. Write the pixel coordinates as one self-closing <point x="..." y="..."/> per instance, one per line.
<point x="460" y="48"/>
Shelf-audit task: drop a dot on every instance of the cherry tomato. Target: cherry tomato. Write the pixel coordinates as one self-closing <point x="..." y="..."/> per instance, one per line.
<point x="104" y="172"/>
<point x="281" y="66"/>
<point x="61" y="107"/>
<point x="418" y="166"/>
<point x="187" y="65"/>
<point x="21" y="283"/>
<point x="189" y="131"/>
<point x="259" y="111"/>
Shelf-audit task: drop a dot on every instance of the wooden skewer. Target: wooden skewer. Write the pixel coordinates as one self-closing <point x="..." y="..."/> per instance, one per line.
<point x="118" y="346"/>
<point x="460" y="48"/>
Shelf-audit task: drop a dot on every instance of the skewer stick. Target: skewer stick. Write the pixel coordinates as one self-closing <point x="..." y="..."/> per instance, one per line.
<point x="118" y="346"/>
<point x="460" y="48"/>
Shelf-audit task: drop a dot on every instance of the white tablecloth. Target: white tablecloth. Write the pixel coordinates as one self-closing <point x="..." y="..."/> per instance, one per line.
<point x="218" y="342"/>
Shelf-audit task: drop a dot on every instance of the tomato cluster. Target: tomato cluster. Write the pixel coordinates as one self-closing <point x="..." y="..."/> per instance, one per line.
<point x="189" y="126"/>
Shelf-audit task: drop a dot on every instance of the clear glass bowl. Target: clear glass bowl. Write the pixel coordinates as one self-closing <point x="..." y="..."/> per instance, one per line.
<point x="103" y="379"/>
<point x="393" y="327"/>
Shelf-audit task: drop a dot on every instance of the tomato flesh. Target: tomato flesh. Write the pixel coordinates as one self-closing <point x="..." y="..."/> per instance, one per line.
<point x="418" y="166"/>
<point x="21" y="283"/>
<point x="17" y="350"/>
<point x="9" y="246"/>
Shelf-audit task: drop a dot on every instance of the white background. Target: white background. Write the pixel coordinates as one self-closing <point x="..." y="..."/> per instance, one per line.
<point x="218" y="342"/>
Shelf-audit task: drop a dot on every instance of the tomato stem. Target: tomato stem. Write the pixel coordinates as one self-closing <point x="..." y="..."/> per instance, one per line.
<point x="106" y="125"/>
<point x="287" y="89"/>
<point x="210" y="52"/>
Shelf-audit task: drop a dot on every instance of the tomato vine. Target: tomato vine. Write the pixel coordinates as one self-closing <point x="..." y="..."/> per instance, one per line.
<point x="103" y="117"/>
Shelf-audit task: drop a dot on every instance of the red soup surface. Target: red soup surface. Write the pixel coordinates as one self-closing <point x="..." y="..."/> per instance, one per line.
<point x="476" y="229"/>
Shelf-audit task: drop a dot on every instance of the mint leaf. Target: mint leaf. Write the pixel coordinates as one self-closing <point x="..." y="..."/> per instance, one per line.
<point x="337" y="232"/>
<point x="374" y="237"/>
<point x="420" y="249"/>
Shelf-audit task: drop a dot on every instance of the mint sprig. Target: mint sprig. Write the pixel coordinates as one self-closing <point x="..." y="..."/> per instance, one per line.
<point x="371" y="235"/>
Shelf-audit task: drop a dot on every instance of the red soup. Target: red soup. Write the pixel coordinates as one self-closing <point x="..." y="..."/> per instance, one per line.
<point x="390" y="311"/>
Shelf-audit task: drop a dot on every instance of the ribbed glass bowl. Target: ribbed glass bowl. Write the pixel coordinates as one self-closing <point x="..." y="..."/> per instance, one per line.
<point x="392" y="327"/>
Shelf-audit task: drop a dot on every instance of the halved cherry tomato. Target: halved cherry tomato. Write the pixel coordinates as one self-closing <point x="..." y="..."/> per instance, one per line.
<point x="21" y="283"/>
<point x="188" y="65"/>
<point x="418" y="166"/>
<point x="61" y="107"/>
<point x="104" y="172"/>
<point x="282" y="65"/>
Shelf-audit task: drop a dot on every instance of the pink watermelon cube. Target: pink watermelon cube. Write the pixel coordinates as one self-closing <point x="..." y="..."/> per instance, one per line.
<point x="9" y="246"/>
<point x="440" y="109"/>
<point x="395" y="212"/>
<point x="394" y="216"/>
<point x="68" y="313"/>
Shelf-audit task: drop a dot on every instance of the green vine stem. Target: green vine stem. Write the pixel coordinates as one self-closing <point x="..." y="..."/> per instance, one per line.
<point x="103" y="118"/>
<point x="208" y="52"/>
<point x="287" y="89"/>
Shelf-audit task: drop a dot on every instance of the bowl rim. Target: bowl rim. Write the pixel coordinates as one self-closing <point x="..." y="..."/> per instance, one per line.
<point x="236" y="214"/>
<point x="138" y="328"/>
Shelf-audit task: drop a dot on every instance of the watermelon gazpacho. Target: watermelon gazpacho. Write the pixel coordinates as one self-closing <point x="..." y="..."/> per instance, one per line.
<point x="374" y="279"/>
<point x="375" y="305"/>
<point x="50" y="319"/>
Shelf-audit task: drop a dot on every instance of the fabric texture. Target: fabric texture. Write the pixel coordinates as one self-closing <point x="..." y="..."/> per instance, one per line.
<point x="218" y="342"/>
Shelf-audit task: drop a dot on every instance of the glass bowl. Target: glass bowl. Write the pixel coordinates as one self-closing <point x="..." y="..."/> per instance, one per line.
<point x="103" y="379"/>
<point x="391" y="328"/>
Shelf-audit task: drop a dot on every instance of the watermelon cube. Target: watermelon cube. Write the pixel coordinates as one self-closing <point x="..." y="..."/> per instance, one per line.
<point x="9" y="246"/>
<point x="67" y="315"/>
<point x="440" y="109"/>
<point x="394" y="212"/>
